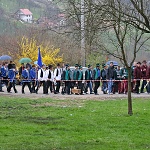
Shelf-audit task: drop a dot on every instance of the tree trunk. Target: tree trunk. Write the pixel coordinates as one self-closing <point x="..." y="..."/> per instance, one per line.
<point x="129" y="93"/>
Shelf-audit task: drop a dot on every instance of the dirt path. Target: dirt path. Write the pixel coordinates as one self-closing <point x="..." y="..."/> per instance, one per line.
<point x="101" y="96"/>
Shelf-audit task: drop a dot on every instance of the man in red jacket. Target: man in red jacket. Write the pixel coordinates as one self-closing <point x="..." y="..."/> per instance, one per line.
<point x="137" y="76"/>
<point x="148" y="77"/>
<point x="144" y="69"/>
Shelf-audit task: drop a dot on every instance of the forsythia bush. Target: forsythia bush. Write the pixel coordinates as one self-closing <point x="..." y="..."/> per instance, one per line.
<point x="29" y="48"/>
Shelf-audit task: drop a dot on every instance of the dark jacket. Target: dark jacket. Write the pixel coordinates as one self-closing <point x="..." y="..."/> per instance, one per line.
<point x="80" y="77"/>
<point x="144" y="70"/>
<point x="103" y="74"/>
<point x="137" y="73"/>
<point x="21" y="69"/>
<point x="148" y="73"/>
<point x="88" y="74"/>
<point x="95" y="75"/>
<point x="75" y="74"/>
<point x="110" y="73"/>
<point x="69" y="77"/>
<point x="124" y="73"/>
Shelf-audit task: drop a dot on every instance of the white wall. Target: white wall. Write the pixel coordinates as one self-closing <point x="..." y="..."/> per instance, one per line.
<point x="26" y="18"/>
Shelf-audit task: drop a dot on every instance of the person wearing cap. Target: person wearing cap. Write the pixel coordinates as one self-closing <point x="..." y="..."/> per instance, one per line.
<point x="80" y="78"/>
<point x="144" y="69"/>
<point x="103" y="78"/>
<point x="110" y="76"/>
<point x="57" y="77"/>
<point x="96" y="78"/>
<point x="67" y="76"/>
<point x="42" y="79"/>
<point x="133" y="82"/>
<point x="11" y="77"/>
<point x="124" y="75"/>
<point x="33" y="78"/>
<point x="75" y="75"/>
<point x="118" y="83"/>
<point x="88" y="79"/>
<point x="137" y="77"/>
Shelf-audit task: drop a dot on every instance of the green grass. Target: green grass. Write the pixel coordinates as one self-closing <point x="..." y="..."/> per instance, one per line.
<point x="47" y="124"/>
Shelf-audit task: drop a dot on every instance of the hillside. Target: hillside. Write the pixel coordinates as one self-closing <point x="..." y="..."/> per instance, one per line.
<point x="39" y="8"/>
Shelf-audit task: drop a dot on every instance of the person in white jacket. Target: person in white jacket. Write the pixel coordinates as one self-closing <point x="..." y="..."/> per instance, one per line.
<point x="42" y="79"/>
<point x="57" y="77"/>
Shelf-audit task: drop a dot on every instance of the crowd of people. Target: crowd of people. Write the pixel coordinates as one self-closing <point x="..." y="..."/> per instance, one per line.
<point x="113" y="79"/>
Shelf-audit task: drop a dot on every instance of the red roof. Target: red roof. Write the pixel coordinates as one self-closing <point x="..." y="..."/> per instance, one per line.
<point x="26" y="11"/>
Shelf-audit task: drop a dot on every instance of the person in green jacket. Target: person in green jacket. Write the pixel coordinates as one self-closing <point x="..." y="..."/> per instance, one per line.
<point x="80" y="78"/>
<point x="96" y="78"/>
<point x="66" y="76"/>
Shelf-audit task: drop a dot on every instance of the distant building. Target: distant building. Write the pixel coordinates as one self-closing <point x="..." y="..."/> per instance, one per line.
<point x="24" y="15"/>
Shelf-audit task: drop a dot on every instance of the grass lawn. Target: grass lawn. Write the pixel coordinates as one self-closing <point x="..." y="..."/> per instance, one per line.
<point x="48" y="124"/>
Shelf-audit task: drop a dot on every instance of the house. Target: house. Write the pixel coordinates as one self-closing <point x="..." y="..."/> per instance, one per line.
<point x="24" y="15"/>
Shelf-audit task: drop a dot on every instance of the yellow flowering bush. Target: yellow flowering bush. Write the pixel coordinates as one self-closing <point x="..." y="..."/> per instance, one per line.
<point x="29" y="48"/>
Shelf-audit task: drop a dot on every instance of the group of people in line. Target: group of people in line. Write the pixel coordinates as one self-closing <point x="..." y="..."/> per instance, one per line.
<point x="113" y="79"/>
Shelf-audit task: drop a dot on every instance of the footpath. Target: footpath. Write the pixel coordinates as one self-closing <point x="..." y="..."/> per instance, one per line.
<point x="40" y="94"/>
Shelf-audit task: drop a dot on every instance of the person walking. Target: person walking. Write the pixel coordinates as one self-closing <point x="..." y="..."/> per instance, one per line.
<point x="80" y="80"/>
<point x="88" y="79"/>
<point x="137" y="77"/>
<point x="96" y="78"/>
<point x="124" y="75"/>
<point x="50" y="80"/>
<point x="12" y="72"/>
<point x="4" y="73"/>
<point x="66" y="77"/>
<point x="57" y="77"/>
<point x="26" y="79"/>
<point x="110" y="77"/>
<point x="148" y="79"/>
<point x="119" y="78"/>
<point x="33" y="76"/>
<point x="103" y="78"/>
<point x="75" y="75"/>
<point x="1" y="90"/>
<point x="144" y="69"/>
<point x="42" y="79"/>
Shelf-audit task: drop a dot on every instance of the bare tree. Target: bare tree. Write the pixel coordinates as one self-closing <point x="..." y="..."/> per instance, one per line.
<point x="126" y="39"/>
<point x="121" y="28"/>
<point x="134" y="12"/>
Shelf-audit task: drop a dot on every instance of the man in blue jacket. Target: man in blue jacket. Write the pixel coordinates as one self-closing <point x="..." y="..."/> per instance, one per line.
<point x="26" y="79"/>
<point x="33" y="75"/>
<point x="11" y="77"/>
<point x="1" y="79"/>
<point x="4" y="73"/>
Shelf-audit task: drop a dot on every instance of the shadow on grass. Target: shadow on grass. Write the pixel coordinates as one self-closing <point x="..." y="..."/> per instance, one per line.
<point x="42" y="120"/>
